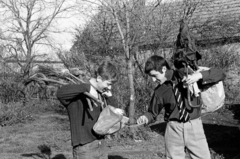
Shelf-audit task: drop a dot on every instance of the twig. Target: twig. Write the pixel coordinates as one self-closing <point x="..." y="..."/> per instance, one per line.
<point x="78" y="79"/>
<point x="44" y="78"/>
<point x="71" y="80"/>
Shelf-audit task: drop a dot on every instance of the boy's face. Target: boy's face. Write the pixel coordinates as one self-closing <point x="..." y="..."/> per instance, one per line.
<point x="103" y="85"/>
<point x="158" y="76"/>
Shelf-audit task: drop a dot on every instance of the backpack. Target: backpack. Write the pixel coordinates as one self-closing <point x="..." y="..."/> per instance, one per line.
<point x="186" y="56"/>
<point x="212" y="97"/>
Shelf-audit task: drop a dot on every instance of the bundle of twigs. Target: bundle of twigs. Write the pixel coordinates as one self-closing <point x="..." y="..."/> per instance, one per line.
<point x="50" y="75"/>
<point x="65" y="75"/>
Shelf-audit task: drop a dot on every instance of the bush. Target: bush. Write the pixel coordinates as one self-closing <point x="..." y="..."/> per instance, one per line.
<point x="10" y="91"/>
<point x="17" y="112"/>
<point x="143" y="92"/>
<point x="226" y="58"/>
<point x="13" y="113"/>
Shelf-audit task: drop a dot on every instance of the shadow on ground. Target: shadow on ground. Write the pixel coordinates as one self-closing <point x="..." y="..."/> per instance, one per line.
<point x="235" y="108"/>
<point x="222" y="139"/>
<point x="45" y="153"/>
<point x="159" y="127"/>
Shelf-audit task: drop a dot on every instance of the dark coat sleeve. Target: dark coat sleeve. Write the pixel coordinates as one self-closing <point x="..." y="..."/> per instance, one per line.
<point x="162" y="97"/>
<point x="68" y="93"/>
<point x="154" y="108"/>
<point x="213" y="75"/>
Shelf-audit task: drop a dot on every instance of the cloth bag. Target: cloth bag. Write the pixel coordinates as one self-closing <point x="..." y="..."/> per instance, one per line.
<point x="212" y="97"/>
<point x="109" y="121"/>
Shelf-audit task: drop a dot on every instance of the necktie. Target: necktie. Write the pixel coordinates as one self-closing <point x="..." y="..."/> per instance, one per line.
<point x="183" y="114"/>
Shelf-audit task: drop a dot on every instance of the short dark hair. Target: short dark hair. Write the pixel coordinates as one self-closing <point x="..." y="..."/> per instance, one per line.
<point x="107" y="71"/>
<point x="155" y="62"/>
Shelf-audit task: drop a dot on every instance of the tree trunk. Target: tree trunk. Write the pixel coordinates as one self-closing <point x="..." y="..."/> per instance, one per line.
<point x="131" y="108"/>
<point x="129" y="59"/>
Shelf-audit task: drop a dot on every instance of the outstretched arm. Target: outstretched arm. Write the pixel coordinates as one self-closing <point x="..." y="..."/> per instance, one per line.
<point x="154" y="109"/>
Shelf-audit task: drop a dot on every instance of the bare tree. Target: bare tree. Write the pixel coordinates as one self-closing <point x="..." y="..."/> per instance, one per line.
<point x="130" y="19"/>
<point x="27" y="25"/>
<point x="98" y="38"/>
<point x="119" y="13"/>
<point x="161" y="26"/>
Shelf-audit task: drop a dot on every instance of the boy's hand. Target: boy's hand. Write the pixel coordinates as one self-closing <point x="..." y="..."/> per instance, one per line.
<point x="192" y="78"/>
<point x="142" y="120"/>
<point x="107" y="93"/>
<point x="119" y="111"/>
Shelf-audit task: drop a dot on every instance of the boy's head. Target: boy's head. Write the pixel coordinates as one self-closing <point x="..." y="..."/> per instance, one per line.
<point x="156" y="67"/>
<point x="105" y="75"/>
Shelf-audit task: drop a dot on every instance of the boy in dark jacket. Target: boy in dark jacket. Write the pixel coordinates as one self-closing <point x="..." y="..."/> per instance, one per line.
<point x="86" y="143"/>
<point x="184" y="128"/>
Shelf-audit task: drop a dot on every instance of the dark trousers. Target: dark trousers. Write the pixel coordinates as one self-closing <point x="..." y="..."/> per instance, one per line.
<point x="92" y="150"/>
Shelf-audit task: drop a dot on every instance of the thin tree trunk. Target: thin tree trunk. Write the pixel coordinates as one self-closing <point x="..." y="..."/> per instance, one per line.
<point x="131" y="108"/>
<point x="129" y="59"/>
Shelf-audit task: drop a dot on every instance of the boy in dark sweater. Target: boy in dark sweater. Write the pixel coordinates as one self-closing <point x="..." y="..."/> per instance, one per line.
<point x="86" y="143"/>
<point x="184" y="130"/>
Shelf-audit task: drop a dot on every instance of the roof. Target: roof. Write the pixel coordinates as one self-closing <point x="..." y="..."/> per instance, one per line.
<point x="219" y="9"/>
<point x="221" y="14"/>
<point x="214" y="22"/>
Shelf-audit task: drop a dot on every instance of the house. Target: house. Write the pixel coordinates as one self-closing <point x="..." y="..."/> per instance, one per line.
<point x="214" y="22"/>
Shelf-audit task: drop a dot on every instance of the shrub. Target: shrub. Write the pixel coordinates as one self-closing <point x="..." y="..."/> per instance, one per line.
<point x="13" y="113"/>
<point x="17" y="112"/>
<point x="226" y="58"/>
<point x="11" y="91"/>
<point x="143" y="93"/>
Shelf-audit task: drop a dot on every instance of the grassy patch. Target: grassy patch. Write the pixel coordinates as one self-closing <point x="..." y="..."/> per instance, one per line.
<point x="12" y="113"/>
<point x="19" y="112"/>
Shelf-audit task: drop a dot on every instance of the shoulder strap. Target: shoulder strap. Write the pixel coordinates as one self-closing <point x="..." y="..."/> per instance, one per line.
<point x="103" y="100"/>
<point x="178" y="78"/>
<point x="168" y="114"/>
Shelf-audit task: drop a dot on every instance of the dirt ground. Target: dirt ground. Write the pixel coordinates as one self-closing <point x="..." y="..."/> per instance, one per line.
<point x="48" y="137"/>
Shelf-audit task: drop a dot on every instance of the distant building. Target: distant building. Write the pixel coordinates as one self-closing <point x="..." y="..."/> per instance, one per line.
<point x="214" y="22"/>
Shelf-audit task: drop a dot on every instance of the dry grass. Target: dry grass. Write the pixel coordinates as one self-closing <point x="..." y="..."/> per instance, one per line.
<point x="48" y="136"/>
<point x="48" y="127"/>
<point x="22" y="140"/>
